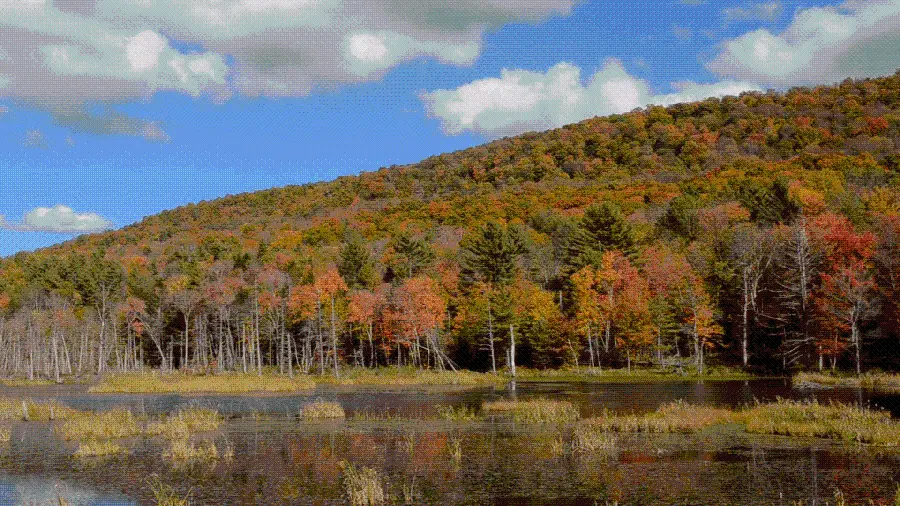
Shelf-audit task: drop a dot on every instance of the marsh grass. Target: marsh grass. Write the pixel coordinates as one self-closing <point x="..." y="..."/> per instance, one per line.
<point x="537" y="411"/>
<point x="185" y="422"/>
<point x="368" y="416"/>
<point x="29" y="410"/>
<point x="96" y="448"/>
<point x="676" y="417"/>
<point x="784" y="417"/>
<point x="323" y="410"/>
<point x="21" y="382"/>
<point x="587" y="440"/>
<point x="881" y="382"/>
<point x="458" y="413"/>
<point x="226" y="383"/>
<point x="183" y="450"/>
<point x="635" y="375"/>
<point x="409" y="491"/>
<point x="410" y="377"/>
<point x="362" y="486"/>
<point x="831" y="421"/>
<point x="113" y="424"/>
<point x="164" y="494"/>
<point x="454" y="449"/>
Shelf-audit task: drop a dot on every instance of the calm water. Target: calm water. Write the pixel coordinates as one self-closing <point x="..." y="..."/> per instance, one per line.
<point x="282" y="460"/>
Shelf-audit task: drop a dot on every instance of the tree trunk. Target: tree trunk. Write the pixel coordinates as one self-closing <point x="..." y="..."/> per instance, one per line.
<point x="334" y="347"/>
<point x="491" y="339"/>
<point x="512" y="350"/>
<point x="746" y="309"/>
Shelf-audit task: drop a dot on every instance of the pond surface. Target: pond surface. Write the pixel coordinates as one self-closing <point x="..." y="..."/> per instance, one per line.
<point x="280" y="459"/>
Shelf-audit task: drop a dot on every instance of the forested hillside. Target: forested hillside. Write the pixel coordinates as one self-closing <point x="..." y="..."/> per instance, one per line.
<point x="758" y="231"/>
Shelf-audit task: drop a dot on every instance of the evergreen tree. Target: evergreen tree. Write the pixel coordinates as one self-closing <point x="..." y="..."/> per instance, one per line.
<point x="414" y="256"/>
<point x="356" y="265"/>
<point x="603" y="228"/>
<point x="489" y="255"/>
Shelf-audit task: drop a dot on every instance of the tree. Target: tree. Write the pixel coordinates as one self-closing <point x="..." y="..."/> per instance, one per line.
<point x="186" y="299"/>
<point x="489" y="264"/>
<point x="847" y="292"/>
<point x="752" y="252"/>
<point x="489" y="255"/>
<point x="699" y="316"/>
<point x="328" y="286"/>
<point x="356" y="265"/>
<point x="665" y="270"/>
<point x="103" y="287"/>
<point x="362" y="309"/>
<point x="798" y="262"/>
<point x="412" y="256"/>
<point x="613" y="297"/>
<point x="422" y="310"/>
<point x="848" y="296"/>
<point x="603" y="228"/>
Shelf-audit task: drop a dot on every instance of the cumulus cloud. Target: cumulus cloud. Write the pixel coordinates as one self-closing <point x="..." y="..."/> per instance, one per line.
<point x="64" y="56"/>
<point x="821" y="45"/>
<point x="59" y="219"/>
<point x="767" y="11"/>
<point x="520" y="100"/>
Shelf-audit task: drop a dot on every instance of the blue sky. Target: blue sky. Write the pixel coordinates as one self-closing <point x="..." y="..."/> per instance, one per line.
<point x="200" y="99"/>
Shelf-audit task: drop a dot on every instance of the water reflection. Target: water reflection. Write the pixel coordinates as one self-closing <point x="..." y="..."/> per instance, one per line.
<point x="280" y="459"/>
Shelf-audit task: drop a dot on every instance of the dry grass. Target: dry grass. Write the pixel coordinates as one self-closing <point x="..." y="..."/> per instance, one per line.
<point x="185" y="422"/>
<point x="21" y="382"/>
<point x="95" y="448"/>
<point x="458" y="413"/>
<point x="164" y="494"/>
<point x="454" y="448"/>
<point x="182" y="450"/>
<point x="5" y="434"/>
<point x="117" y="423"/>
<point x="832" y="421"/>
<point x="410" y="377"/>
<point x="323" y="410"/>
<point x="586" y="439"/>
<point x="881" y="382"/>
<point x="536" y="411"/>
<point x="635" y="375"/>
<point x="362" y="486"/>
<point x="190" y="384"/>
<point x="20" y="409"/>
<point x="676" y="417"/>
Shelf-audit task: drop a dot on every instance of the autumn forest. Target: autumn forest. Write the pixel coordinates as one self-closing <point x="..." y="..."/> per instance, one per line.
<point x="758" y="232"/>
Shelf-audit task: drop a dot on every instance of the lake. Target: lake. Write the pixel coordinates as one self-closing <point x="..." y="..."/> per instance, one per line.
<point x="281" y="459"/>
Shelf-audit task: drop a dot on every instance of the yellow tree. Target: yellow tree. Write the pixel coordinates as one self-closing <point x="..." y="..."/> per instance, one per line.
<point x="699" y="316"/>
<point x="328" y="286"/>
<point x="534" y="311"/>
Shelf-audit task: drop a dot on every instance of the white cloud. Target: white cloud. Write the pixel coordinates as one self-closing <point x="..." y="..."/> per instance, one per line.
<point x="520" y="100"/>
<point x="368" y="48"/>
<point x="821" y="45"/>
<point x="144" y="50"/>
<point x="59" y="219"/>
<point x="63" y="56"/>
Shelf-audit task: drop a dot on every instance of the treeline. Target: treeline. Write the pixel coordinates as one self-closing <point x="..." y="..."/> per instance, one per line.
<point x="757" y="231"/>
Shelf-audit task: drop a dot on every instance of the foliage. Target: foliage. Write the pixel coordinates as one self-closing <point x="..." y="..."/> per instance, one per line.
<point x="761" y="231"/>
